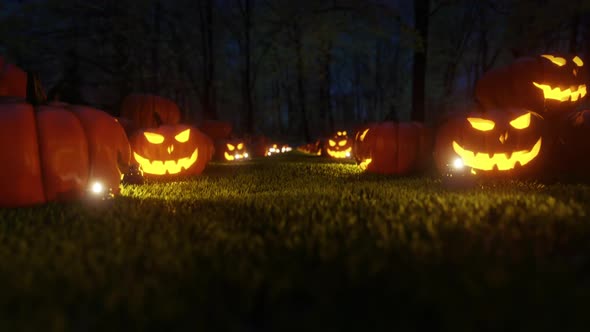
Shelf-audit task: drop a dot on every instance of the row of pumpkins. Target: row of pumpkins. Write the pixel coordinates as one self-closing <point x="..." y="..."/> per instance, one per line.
<point x="526" y="121"/>
<point x="53" y="151"/>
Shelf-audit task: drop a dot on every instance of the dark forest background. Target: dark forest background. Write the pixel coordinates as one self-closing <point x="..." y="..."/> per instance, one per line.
<point x="297" y="69"/>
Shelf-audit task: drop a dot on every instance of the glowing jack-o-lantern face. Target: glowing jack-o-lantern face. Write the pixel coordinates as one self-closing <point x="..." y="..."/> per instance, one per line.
<point x="273" y="149"/>
<point x="544" y="84"/>
<point x="494" y="141"/>
<point x="235" y="150"/>
<point x="339" y="146"/>
<point x="172" y="149"/>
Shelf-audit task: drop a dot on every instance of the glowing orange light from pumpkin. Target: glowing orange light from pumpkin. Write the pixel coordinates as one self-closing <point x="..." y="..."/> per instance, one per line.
<point x="235" y="152"/>
<point x="170" y="166"/>
<point x="503" y="161"/>
<point x="562" y="95"/>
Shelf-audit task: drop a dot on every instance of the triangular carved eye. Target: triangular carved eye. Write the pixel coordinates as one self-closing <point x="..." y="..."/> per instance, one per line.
<point x="342" y="142"/>
<point x="555" y="59"/>
<point x="332" y="143"/>
<point x="230" y="147"/>
<point x="153" y="137"/>
<point x="481" y="124"/>
<point x="522" y="121"/>
<point x="578" y="61"/>
<point x="240" y="146"/>
<point x="183" y="136"/>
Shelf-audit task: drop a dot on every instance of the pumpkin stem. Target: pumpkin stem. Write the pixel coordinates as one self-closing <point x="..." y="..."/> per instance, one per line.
<point x="35" y="92"/>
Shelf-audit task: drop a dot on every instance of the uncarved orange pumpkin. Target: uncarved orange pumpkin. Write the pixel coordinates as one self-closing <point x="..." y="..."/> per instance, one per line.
<point x="51" y="152"/>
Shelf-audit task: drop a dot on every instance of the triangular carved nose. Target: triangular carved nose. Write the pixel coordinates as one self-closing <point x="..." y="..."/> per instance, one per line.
<point x="503" y="137"/>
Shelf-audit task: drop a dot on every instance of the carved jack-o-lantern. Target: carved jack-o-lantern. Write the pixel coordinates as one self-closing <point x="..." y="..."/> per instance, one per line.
<point x="171" y="149"/>
<point x="492" y="142"/>
<point x="274" y="149"/>
<point x="339" y="146"/>
<point x="393" y="148"/>
<point x="547" y="83"/>
<point x="314" y="148"/>
<point x="232" y="150"/>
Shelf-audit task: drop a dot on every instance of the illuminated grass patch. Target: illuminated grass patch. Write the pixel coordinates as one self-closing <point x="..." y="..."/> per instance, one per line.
<point x="300" y="243"/>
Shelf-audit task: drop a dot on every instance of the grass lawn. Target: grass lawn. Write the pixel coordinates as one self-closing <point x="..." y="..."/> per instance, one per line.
<point x="297" y="243"/>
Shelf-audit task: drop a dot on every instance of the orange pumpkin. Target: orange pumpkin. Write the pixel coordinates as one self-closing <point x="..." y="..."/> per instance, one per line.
<point x="314" y="148"/>
<point x="570" y="154"/>
<point x="231" y="150"/>
<point x="54" y="152"/>
<point x="13" y="80"/>
<point x="495" y="142"/>
<point x="548" y="83"/>
<point x="217" y="130"/>
<point x="148" y="111"/>
<point x="171" y="150"/>
<point x="393" y="148"/>
<point x="339" y="146"/>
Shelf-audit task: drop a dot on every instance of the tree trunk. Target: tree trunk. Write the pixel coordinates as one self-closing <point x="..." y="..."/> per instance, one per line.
<point x="324" y="100"/>
<point x="379" y="91"/>
<point x="155" y="86"/>
<point x="247" y="71"/>
<point x="359" y="114"/>
<point x="301" y="83"/>
<point x="421" y="13"/>
<point x="573" y="47"/>
<point x="208" y="90"/>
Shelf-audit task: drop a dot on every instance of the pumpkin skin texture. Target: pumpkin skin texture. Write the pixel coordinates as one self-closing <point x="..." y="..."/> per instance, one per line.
<point x="217" y="130"/>
<point x="506" y="142"/>
<point x="258" y="145"/>
<point x="49" y="156"/>
<point x="546" y="84"/>
<point x="13" y="80"/>
<point x="149" y="111"/>
<point x="171" y="150"/>
<point x="570" y="156"/>
<point x="393" y="148"/>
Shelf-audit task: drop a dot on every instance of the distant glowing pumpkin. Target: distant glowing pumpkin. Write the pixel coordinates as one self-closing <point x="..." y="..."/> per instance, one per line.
<point x="545" y="84"/>
<point x="232" y="150"/>
<point x="339" y="146"/>
<point x="491" y="142"/>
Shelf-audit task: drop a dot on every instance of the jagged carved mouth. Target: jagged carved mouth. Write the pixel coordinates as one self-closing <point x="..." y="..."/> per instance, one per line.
<point x="161" y="167"/>
<point x="562" y="95"/>
<point x="365" y="163"/>
<point x="236" y="156"/>
<point x="501" y="161"/>
<point x="340" y="154"/>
